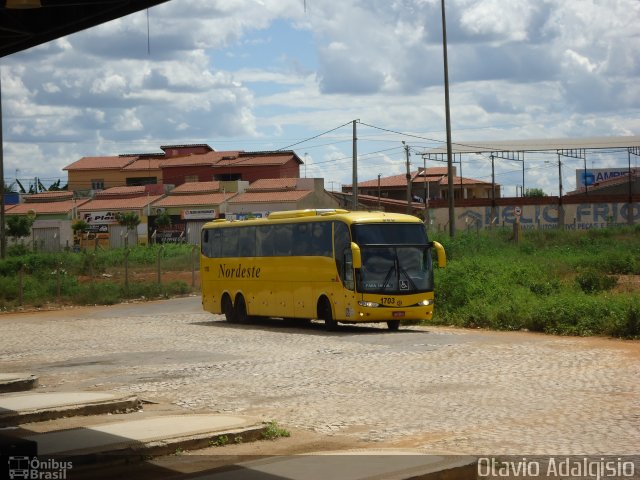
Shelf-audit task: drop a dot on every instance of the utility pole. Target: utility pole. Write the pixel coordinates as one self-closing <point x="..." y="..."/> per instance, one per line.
<point x="354" y="184"/>
<point x="452" y="215"/>
<point x="3" y="241"/>
<point x="379" y="175"/>
<point x="560" y="206"/>
<point x="409" y="198"/>
<point x="493" y="189"/>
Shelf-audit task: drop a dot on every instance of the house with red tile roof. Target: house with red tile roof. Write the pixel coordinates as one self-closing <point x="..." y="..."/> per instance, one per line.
<point x="178" y="164"/>
<point x="52" y="214"/>
<point x="275" y="194"/>
<point x="189" y="207"/>
<point x="101" y="213"/>
<point x="432" y="183"/>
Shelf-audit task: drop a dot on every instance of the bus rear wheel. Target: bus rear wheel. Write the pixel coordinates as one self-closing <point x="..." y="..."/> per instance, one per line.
<point x="227" y="309"/>
<point x="325" y="314"/>
<point x="241" y="310"/>
<point x="393" y="325"/>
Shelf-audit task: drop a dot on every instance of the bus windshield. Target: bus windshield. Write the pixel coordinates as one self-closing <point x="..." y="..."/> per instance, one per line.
<point x="396" y="258"/>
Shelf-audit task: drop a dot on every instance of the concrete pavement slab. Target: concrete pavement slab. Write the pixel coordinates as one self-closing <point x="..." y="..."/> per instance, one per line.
<point x="17" y="382"/>
<point x="388" y="464"/>
<point x="29" y="407"/>
<point x="151" y="436"/>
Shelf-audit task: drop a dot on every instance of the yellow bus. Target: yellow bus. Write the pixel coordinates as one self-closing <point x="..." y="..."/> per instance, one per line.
<point x="331" y="265"/>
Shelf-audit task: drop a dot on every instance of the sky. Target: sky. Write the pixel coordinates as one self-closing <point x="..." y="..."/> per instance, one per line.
<point x="259" y="75"/>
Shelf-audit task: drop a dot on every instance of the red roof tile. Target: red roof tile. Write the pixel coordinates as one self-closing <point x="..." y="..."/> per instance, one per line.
<point x="132" y="203"/>
<point x="249" y="159"/>
<point x="464" y="181"/>
<point x="50" y="208"/>
<point x="196" y="187"/>
<point x="103" y="163"/>
<point x="393" y="181"/>
<point x="48" y="196"/>
<point x="264" y="197"/>
<point x="273" y="184"/>
<point x="145" y="164"/>
<point x="209" y="158"/>
<point x="186" y="200"/>
<point x="120" y="191"/>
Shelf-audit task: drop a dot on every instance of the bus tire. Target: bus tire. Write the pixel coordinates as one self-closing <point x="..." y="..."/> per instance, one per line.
<point x="393" y="325"/>
<point x="227" y="309"/>
<point x="325" y="313"/>
<point x="241" y="310"/>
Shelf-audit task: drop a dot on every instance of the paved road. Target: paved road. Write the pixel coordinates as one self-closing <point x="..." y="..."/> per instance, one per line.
<point x="439" y="389"/>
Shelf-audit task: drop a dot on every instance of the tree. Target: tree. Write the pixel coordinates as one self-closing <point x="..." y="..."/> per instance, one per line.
<point x="55" y="187"/>
<point x="79" y="226"/>
<point x="9" y="188"/>
<point x="163" y="220"/>
<point x="19" y="226"/>
<point x="534" y="192"/>
<point x="129" y="220"/>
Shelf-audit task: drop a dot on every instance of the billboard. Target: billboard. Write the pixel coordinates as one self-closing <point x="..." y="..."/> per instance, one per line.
<point x="593" y="176"/>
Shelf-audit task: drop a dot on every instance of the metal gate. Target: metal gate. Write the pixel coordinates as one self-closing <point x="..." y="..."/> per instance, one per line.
<point x="46" y="239"/>
<point x="119" y="236"/>
<point x="193" y="232"/>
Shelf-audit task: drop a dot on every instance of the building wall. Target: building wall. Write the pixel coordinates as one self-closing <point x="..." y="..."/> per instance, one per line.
<point x="81" y="180"/>
<point x="206" y="173"/>
<point x="577" y="216"/>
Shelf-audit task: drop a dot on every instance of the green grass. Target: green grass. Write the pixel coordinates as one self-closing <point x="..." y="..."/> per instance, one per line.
<point x="83" y="278"/>
<point x="552" y="281"/>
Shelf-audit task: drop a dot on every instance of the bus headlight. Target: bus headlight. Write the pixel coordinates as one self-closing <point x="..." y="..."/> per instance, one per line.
<point x="425" y="303"/>
<point x="369" y="304"/>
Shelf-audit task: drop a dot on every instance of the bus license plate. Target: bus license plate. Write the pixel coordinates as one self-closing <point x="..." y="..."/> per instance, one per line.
<point x="398" y="314"/>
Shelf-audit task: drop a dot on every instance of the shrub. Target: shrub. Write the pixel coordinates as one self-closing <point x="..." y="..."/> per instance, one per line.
<point x="593" y="281"/>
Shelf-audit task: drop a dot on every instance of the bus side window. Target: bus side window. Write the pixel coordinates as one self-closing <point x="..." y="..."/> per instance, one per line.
<point x="321" y="239"/>
<point x="301" y="243"/>
<point x="247" y="242"/>
<point x="229" y="242"/>
<point x="282" y="243"/>
<point x="264" y="238"/>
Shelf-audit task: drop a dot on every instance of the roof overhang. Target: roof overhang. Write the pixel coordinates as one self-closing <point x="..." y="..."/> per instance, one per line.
<point x="540" y="145"/>
<point x="23" y="27"/>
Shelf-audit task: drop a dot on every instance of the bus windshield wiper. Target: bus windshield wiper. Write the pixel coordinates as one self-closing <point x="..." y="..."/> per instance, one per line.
<point x="388" y="276"/>
<point x="406" y="275"/>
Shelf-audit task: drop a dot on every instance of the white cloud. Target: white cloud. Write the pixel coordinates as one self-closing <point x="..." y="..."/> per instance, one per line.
<point x="128" y="121"/>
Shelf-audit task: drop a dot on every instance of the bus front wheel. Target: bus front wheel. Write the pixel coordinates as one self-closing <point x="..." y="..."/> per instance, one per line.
<point x="325" y="314"/>
<point x="393" y="325"/>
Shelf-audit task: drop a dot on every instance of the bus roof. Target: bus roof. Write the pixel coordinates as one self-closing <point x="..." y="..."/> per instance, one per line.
<point x="302" y="216"/>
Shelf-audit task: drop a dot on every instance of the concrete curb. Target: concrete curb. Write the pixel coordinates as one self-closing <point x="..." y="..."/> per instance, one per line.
<point x="17" y="382"/>
<point x="375" y="464"/>
<point x="18" y="416"/>
<point x="135" y="440"/>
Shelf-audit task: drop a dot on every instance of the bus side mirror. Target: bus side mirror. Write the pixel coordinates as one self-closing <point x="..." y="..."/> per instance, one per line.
<point x="442" y="256"/>
<point x="356" y="256"/>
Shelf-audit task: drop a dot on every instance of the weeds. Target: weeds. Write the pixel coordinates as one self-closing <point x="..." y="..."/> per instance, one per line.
<point x="553" y="281"/>
<point x="83" y="278"/>
<point x="273" y="431"/>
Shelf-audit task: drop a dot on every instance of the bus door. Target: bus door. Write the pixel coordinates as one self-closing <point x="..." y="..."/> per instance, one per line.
<point x="343" y="299"/>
